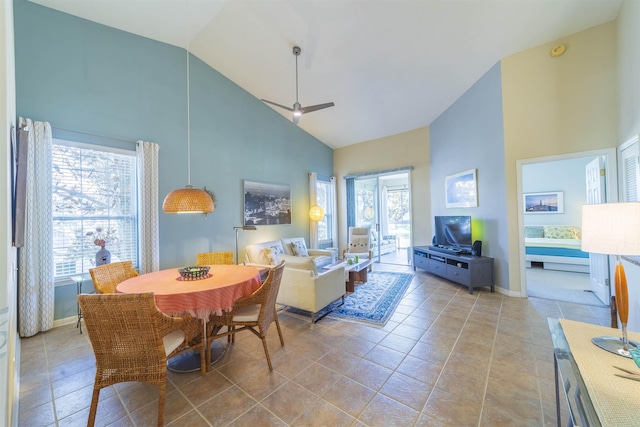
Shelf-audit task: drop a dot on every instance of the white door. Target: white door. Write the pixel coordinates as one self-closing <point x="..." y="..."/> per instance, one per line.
<point x="598" y="263"/>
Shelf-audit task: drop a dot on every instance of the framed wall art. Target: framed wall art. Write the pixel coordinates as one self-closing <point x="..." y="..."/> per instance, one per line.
<point x="266" y="204"/>
<point x="460" y="190"/>
<point x="548" y="202"/>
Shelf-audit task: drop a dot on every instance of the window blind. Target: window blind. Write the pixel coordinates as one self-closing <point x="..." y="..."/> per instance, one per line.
<point x="94" y="197"/>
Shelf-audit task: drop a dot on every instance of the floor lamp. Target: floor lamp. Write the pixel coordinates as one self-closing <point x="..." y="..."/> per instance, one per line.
<point x="614" y="229"/>
<point x="244" y="227"/>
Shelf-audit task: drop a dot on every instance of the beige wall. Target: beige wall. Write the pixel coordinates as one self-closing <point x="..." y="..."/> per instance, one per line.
<point x="8" y="367"/>
<point x="405" y="149"/>
<point x="628" y="70"/>
<point x="556" y="106"/>
<point x="629" y="118"/>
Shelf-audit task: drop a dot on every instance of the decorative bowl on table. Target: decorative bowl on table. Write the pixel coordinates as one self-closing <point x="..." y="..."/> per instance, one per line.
<point x="194" y="272"/>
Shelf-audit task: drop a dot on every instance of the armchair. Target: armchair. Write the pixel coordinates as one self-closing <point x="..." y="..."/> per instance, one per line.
<point x="359" y="243"/>
<point x="257" y="310"/>
<point x="106" y="277"/>
<point x="212" y="258"/>
<point x="132" y="341"/>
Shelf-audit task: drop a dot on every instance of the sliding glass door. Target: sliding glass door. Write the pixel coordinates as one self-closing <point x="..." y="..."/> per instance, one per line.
<point x="367" y="208"/>
<point x="383" y="203"/>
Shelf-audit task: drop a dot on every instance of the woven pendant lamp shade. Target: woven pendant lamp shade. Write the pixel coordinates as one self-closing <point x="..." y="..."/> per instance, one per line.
<point x="188" y="200"/>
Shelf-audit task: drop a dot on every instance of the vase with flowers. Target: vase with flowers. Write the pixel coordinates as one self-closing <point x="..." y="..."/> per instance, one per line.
<point x="101" y="237"/>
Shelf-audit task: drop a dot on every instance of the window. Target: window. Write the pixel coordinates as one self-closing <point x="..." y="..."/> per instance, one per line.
<point x="94" y="197"/>
<point x="324" y="198"/>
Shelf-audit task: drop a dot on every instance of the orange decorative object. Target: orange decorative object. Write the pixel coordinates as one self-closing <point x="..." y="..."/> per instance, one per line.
<point x="622" y="294"/>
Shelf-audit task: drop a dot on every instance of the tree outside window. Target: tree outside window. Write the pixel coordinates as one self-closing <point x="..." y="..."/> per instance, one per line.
<point x="94" y="199"/>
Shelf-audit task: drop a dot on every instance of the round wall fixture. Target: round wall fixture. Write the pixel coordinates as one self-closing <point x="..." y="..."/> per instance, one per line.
<point x="558" y="50"/>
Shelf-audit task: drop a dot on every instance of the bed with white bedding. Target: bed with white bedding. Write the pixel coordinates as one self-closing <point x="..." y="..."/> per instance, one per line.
<point x="556" y="247"/>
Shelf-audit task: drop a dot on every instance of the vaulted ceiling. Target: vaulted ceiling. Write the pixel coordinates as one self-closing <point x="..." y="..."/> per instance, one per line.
<point x="389" y="65"/>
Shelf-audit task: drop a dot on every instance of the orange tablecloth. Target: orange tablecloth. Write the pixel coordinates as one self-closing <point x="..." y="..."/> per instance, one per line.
<point x="200" y="298"/>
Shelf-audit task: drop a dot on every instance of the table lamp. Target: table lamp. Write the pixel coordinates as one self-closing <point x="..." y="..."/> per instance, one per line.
<point x="613" y="229"/>
<point x="243" y="227"/>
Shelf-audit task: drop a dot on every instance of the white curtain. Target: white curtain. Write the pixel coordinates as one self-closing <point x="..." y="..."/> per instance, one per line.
<point x="35" y="267"/>
<point x="334" y="213"/>
<point x="148" y="230"/>
<point x="313" y="225"/>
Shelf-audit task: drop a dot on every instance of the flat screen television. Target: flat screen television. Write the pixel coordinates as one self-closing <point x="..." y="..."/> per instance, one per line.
<point x="453" y="231"/>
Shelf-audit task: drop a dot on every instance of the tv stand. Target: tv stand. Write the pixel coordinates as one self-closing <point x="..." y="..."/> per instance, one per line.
<point x="467" y="270"/>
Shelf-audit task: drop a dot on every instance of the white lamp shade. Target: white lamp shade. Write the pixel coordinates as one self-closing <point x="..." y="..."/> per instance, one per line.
<point x="316" y="213"/>
<point x="611" y="228"/>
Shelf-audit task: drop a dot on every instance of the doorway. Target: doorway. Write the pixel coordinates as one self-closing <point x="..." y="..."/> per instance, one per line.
<point x="552" y="265"/>
<point x="383" y="203"/>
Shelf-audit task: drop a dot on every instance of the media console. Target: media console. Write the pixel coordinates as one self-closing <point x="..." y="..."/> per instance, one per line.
<point x="467" y="270"/>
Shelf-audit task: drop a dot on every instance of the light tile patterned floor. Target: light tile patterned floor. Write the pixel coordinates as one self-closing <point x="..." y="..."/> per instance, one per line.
<point x="444" y="358"/>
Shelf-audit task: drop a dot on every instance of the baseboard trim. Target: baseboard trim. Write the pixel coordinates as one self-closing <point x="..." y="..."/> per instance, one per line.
<point x="65" y="321"/>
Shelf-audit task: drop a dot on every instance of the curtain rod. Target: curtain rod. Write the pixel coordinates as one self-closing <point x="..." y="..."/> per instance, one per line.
<point x="382" y="172"/>
<point x="92" y="134"/>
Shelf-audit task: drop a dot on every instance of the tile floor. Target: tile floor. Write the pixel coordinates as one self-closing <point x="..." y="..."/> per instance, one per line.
<point x="444" y="358"/>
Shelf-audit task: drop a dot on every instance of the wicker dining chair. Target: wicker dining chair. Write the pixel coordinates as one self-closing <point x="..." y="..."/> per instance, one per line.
<point x="107" y="277"/>
<point x="257" y="310"/>
<point x="132" y="341"/>
<point x="213" y="258"/>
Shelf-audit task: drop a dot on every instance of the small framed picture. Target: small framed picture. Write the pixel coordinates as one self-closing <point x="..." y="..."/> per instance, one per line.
<point x="549" y="202"/>
<point x="460" y="190"/>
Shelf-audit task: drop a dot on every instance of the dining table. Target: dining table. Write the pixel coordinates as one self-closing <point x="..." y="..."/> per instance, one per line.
<point x="213" y="294"/>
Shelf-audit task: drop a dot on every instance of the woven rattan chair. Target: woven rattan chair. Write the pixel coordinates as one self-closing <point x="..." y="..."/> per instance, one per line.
<point x="107" y="277"/>
<point x="257" y="310"/>
<point x="132" y="341"/>
<point x="213" y="258"/>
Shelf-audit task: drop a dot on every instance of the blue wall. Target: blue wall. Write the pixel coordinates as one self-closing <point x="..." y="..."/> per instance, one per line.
<point x="470" y="135"/>
<point x="86" y="78"/>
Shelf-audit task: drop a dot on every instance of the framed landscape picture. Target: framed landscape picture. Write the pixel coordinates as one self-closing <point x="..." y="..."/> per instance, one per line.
<point x="544" y="203"/>
<point x="460" y="190"/>
<point x="266" y="204"/>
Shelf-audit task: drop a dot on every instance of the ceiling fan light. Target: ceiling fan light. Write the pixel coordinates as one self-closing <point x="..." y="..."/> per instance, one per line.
<point x="297" y="113"/>
<point x="188" y="200"/>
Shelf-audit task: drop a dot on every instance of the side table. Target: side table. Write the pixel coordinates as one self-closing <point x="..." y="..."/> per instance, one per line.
<point x="78" y="281"/>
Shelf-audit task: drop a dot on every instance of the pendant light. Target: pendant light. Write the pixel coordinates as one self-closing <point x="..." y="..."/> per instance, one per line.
<point x="188" y="199"/>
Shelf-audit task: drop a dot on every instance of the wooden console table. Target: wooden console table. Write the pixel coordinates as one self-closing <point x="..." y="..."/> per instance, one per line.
<point x="467" y="270"/>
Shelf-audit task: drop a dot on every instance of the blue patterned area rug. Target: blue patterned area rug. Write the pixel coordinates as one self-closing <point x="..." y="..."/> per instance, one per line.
<point x="372" y="302"/>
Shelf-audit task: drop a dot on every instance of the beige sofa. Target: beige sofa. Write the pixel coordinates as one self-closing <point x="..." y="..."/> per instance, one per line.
<point x="305" y="285"/>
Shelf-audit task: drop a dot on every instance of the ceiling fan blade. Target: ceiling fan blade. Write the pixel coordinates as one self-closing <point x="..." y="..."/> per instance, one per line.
<point x="277" y="105"/>
<point x="311" y="108"/>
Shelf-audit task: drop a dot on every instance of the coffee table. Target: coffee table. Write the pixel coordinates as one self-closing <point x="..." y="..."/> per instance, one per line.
<point x="357" y="272"/>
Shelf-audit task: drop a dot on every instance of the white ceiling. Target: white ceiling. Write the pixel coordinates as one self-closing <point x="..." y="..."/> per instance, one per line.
<point x="389" y="65"/>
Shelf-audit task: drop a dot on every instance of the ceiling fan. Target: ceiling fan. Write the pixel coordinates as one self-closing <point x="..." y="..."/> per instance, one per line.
<point x="298" y="110"/>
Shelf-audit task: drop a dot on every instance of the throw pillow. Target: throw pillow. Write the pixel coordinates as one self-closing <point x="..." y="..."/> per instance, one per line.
<point x="271" y="256"/>
<point x="299" y="249"/>
<point x="533" y="231"/>
<point x="361" y="244"/>
<point x="277" y="249"/>
<point x="560" y="232"/>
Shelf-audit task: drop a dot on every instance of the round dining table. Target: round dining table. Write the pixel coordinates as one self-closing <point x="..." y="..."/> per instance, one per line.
<point x="200" y="298"/>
